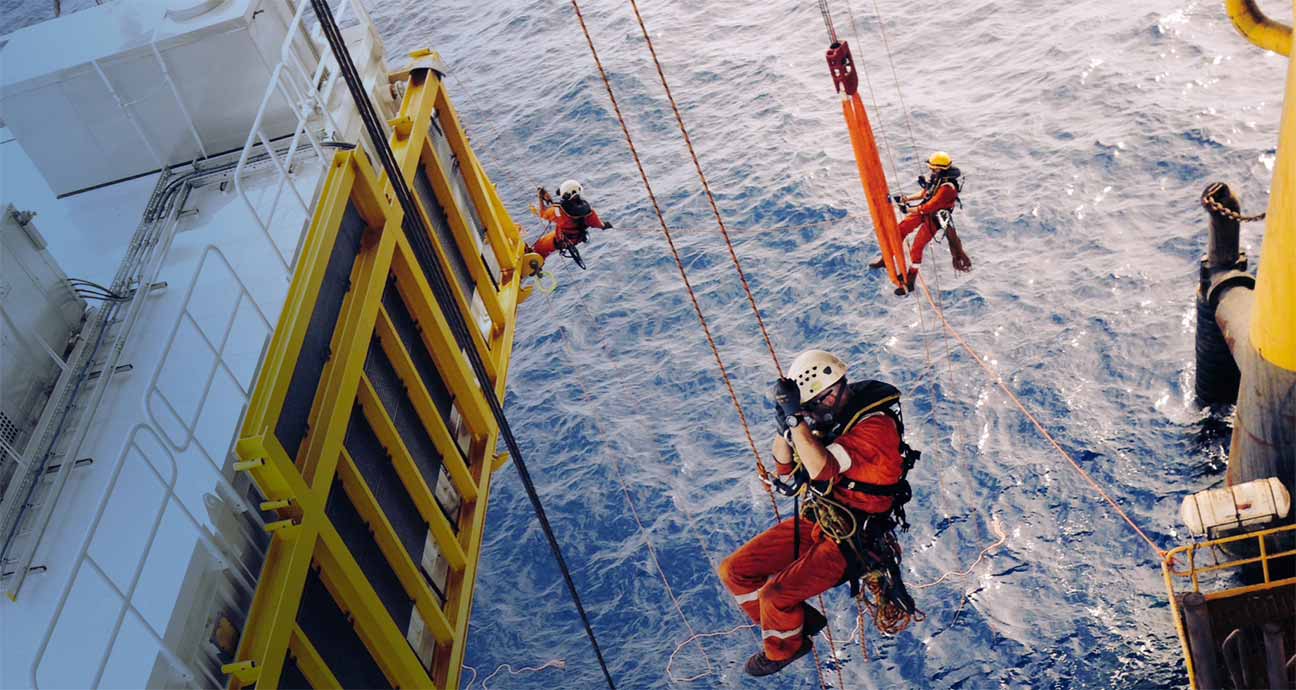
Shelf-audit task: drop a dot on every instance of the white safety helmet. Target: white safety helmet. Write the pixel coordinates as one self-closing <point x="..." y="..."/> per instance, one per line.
<point x="569" y="189"/>
<point x="815" y="371"/>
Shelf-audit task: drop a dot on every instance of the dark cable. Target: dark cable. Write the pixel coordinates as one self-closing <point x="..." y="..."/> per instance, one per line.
<point x="441" y="289"/>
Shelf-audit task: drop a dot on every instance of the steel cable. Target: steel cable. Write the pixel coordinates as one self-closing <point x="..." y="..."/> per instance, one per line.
<point x="442" y="290"/>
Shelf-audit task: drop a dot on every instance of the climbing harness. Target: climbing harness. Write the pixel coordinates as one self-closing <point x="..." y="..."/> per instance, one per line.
<point x="866" y="540"/>
<point x="1211" y="204"/>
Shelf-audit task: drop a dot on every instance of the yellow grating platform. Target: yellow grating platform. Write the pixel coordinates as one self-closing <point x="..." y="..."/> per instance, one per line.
<point x="367" y="431"/>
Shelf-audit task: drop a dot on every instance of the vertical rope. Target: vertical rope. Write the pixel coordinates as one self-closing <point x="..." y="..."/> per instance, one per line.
<point x="706" y="187"/>
<point x="679" y="262"/>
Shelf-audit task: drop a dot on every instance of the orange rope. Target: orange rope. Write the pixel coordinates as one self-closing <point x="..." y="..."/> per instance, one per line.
<point x="998" y="380"/>
<point x="733" y="255"/>
<point x="773" y="228"/>
<point x="1003" y="537"/>
<point x="679" y="263"/>
<point x="706" y="186"/>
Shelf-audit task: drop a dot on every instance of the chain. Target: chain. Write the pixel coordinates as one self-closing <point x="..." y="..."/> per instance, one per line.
<point x="1208" y="201"/>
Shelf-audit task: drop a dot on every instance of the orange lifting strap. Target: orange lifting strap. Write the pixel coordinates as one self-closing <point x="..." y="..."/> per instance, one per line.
<point x="842" y="67"/>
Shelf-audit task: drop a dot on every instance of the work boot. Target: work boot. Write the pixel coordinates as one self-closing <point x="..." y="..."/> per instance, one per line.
<point x="760" y="665"/>
<point x="813" y="622"/>
<point x="909" y="283"/>
<point x="877" y="263"/>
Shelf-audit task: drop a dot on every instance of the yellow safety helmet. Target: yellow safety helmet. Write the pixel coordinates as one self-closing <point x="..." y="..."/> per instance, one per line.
<point x="939" y="160"/>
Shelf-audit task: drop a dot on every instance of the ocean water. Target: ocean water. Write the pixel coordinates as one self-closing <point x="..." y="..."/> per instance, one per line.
<point x="1086" y="132"/>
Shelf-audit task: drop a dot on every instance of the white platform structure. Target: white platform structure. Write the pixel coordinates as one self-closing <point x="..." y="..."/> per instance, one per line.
<point x="187" y="141"/>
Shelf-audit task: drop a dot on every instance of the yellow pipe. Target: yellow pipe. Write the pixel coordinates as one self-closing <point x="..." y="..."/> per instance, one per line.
<point x="1273" y="328"/>
<point x="1257" y="28"/>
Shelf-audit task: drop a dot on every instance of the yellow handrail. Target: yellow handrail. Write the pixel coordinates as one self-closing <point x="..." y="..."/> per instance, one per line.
<point x="1252" y="23"/>
<point x="1171" y="572"/>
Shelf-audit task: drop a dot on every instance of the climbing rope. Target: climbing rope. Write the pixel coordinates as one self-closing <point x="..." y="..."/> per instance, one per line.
<point x="828" y="21"/>
<point x="1002" y="537"/>
<point x="679" y="262"/>
<point x="552" y="663"/>
<point x="706" y="187"/>
<point x="1208" y="201"/>
<point x="998" y="381"/>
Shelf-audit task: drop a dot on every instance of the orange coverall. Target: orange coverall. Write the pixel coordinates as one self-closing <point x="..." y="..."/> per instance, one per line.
<point x="769" y="583"/>
<point x="566" y="226"/>
<point x="925" y="215"/>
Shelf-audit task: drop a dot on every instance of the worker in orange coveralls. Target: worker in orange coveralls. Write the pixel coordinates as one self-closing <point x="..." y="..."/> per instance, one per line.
<point x="572" y="218"/>
<point x="841" y="442"/>
<point x="939" y="194"/>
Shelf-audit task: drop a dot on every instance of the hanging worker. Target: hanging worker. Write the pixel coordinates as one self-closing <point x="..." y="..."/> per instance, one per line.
<point x="933" y="214"/>
<point x="840" y="447"/>
<point x="572" y="217"/>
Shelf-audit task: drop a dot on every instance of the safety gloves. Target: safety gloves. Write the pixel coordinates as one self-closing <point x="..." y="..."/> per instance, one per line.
<point x="787" y="397"/>
<point x="787" y="402"/>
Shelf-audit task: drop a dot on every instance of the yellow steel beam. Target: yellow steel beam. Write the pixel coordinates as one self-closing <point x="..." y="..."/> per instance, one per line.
<point x="401" y="560"/>
<point x="1273" y="324"/>
<point x="273" y="614"/>
<point x="309" y="661"/>
<point x="416" y="109"/>
<point x="344" y="579"/>
<point x="481" y="460"/>
<point x="453" y="458"/>
<point x="410" y="476"/>
<point x="415" y="149"/>
<point x="461" y="226"/>
<point x="445" y="351"/>
<point x="496" y="219"/>
<point x="268" y="396"/>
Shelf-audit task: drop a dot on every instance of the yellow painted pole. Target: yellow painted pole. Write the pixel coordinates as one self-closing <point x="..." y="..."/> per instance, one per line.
<point x="1273" y="326"/>
<point x="1259" y="29"/>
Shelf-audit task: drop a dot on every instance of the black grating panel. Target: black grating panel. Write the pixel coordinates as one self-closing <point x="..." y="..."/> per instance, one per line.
<point x="379" y="474"/>
<point x="359" y="540"/>
<point x="292" y="425"/>
<point x="292" y="677"/>
<point x="395" y="400"/>
<point x="408" y="330"/>
<point x="441" y="228"/>
<point x="336" y="641"/>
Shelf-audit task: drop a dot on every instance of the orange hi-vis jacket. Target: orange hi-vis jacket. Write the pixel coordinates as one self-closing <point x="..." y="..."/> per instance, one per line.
<point x="570" y="227"/>
<point x="867" y="451"/>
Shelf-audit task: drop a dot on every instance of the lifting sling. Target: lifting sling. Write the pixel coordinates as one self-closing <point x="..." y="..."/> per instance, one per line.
<point x="846" y="80"/>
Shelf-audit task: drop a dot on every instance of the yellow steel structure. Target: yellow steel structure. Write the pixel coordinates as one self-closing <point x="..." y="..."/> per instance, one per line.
<point x="1259" y="29"/>
<point x="1273" y="330"/>
<point x="375" y="270"/>
<point x="1180" y="567"/>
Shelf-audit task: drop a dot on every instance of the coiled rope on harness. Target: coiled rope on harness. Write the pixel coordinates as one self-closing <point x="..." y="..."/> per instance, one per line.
<point x="440" y="285"/>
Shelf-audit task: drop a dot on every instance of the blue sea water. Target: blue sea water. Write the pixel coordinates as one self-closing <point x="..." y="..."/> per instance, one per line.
<point x="1086" y="132"/>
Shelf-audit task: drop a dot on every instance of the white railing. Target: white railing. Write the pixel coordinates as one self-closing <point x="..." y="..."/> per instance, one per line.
<point x="307" y="93"/>
<point x="168" y="446"/>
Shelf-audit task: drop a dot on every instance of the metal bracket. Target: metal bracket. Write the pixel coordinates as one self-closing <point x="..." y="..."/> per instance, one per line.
<point x="246" y="672"/>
